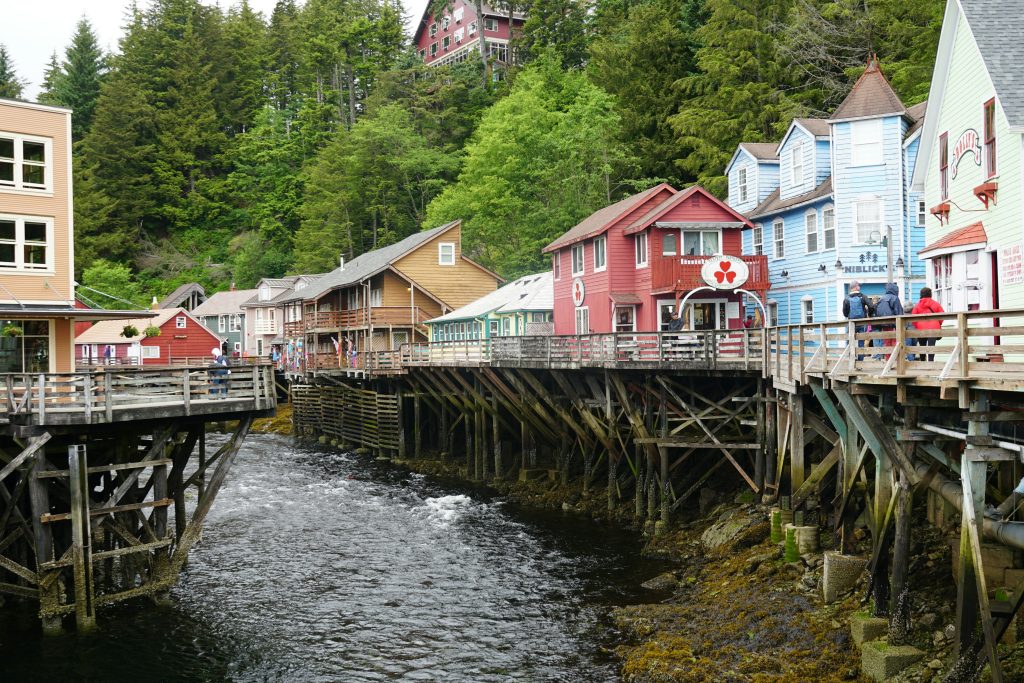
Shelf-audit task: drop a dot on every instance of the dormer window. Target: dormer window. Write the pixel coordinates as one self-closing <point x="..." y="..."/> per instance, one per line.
<point x="741" y="179"/>
<point x="866" y="143"/>
<point x="796" y="164"/>
<point x="264" y="293"/>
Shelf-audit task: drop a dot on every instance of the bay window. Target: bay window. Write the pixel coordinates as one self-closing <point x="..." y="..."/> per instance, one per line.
<point x="796" y="164"/>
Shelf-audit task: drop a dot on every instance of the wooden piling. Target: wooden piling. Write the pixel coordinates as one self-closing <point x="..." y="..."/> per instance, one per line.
<point x="81" y="538"/>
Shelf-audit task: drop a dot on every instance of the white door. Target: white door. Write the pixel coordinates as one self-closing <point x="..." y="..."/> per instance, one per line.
<point x="583" y="320"/>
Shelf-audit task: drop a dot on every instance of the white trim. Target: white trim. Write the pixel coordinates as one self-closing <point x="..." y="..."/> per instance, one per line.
<point x="636" y="249"/>
<point x="18" y="161"/>
<point x="817" y="232"/>
<point x="572" y="260"/>
<point x="71" y="216"/>
<point x="440" y="253"/>
<point x="945" y="251"/>
<point x="835" y="232"/>
<point x="19" y="267"/>
<point x="604" y="250"/>
<point x="36" y="106"/>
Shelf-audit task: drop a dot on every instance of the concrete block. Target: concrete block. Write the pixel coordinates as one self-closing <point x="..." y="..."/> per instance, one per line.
<point x="532" y="475"/>
<point x="864" y="628"/>
<point x="807" y="540"/>
<point x="881" y="661"/>
<point x="996" y="558"/>
<point x="840" y="574"/>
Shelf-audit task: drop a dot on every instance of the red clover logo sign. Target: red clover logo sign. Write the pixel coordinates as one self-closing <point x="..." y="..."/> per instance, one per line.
<point x="578" y="292"/>
<point x="725" y="272"/>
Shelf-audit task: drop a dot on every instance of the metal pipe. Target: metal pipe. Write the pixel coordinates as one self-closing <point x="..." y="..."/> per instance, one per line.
<point x="946" y="431"/>
<point x="1007" y="533"/>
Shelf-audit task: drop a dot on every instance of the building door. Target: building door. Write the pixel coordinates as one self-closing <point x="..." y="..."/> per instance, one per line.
<point x="703" y="315"/>
<point x="625" y="318"/>
<point x="398" y="338"/>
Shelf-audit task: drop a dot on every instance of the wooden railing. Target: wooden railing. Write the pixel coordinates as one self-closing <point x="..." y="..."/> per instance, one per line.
<point x="173" y="362"/>
<point x="326" y="321"/>
<point x="985" y="347"/>
<point x="123" y="394"/>
<point x="682" y="273"/>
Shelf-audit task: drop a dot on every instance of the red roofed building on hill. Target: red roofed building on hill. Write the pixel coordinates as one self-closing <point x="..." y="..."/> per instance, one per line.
<point x="454" y="33"/>
<point x="627" y="267"/>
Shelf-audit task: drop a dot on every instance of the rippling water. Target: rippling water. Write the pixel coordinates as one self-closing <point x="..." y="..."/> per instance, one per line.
<point x="320" y="566"/>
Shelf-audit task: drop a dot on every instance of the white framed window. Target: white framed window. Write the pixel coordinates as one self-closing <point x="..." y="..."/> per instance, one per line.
<point x="300" y="284"/>
<point x="446" y="253"/>
<point x="433" y="49"/>
<point x="867" y="218"/>
<point x="922" y="212"/>
<point x="446" y="42"/>
<point x="583" y="320"/>
<point x="757" y="239"/>
<point x="445" y="22"/>
<point x="811" y="230"/>
<point x="490" y="24"/>
<point x="222" y="323"/>
<point x="235" y="323"/>
<point x="472" y="27"/>
<point x="259" y="347"/>
<point x="773" y="313"/>
<point x="866" y="142"/>
<point x="181" y="322"/>
<point x="265" y="293"/>
<point x="577" y="260"/>
<point x="492" y="326"/>
<point x="459" y="33"/>
<point x="238" y="347"/>
<point x="433" y="30"/>
<point x="25" y="163"/>
<point x="352" y="299"/>
<point x="701" y="242"/>
<point x="828" y="224"/>
<point x="26" y="243"/>
<point x="640" y="246"/>
<point x="556" y="264"/>
<point x="741" y="181"/>
<point x="807" y="310"/>
<point x="376" y="297"/>
<point x="669" y="244"/>
<point x="457" y="14"/>
<point x="796" y="164"/>
<point x="600" y="254"/>
<point x="150" y="351"/>
<point x="779" y="238"/>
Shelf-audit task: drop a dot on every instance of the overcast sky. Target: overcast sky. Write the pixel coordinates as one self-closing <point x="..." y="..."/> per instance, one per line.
<point x="34" y="29"/>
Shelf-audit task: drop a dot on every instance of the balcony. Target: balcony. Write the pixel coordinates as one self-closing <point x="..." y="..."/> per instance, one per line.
<point x="380" y="316"/>
<point x="266" y="327"/>
<point x="682" y="273"/>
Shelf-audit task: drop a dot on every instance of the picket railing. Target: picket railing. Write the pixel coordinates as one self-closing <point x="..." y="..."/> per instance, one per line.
<point x="122" y="394"/>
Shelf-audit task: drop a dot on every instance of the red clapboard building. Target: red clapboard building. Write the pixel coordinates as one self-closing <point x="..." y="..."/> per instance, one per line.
<point x="626" y="267"/>
<point x="454" y="33"/>
<point x="181" y="337"/>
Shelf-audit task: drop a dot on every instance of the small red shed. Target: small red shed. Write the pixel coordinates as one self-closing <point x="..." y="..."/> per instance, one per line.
<point x="626" y="267"/>
<point x="181" y="337"/>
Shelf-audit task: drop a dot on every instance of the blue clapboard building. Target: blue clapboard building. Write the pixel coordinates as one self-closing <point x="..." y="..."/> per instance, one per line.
<point x="823" y="198"/>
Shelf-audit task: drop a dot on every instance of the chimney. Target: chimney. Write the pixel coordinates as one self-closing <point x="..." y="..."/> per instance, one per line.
<point x="154" y="304"/>
<point x="341" y="262"/>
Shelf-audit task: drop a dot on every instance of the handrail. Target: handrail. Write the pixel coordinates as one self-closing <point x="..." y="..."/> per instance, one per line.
<point x="118" y="392"/>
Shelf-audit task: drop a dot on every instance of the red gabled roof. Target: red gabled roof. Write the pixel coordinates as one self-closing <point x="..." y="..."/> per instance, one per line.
<point x="663" y="208"/>
<point x="602" y="219"/>
<point x="964" y="237"/>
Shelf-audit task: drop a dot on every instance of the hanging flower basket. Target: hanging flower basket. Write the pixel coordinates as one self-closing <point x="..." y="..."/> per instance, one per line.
<point x="129" y="331"/>
<point x="151" y="331"/>
<point x="12" y="331"/>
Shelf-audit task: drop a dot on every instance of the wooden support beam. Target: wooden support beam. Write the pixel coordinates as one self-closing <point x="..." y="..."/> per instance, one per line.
<point x="81" y="538"/>
<point x="797" y="464"/>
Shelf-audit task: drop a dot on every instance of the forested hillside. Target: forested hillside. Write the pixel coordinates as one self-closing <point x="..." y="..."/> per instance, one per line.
<point x="223" y="146"/>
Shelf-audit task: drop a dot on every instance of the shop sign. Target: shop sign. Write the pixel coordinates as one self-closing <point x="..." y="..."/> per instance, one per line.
<point x="578" y="292"/>
<point x="967" y="143"/>
<point x="725" y="272"/>
<point x="1011" y="265"/>
<point x="868" y="263"/>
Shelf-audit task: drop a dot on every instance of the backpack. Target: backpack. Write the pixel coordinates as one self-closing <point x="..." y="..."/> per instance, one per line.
<point x="859" y="306"/>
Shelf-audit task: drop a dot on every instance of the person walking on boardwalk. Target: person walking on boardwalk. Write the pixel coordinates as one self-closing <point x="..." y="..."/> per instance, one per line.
<point x="856" y="306"/>
<point x="924" y="306"/>
<point x="218" y="374"/>
<point x="889" y="305"/>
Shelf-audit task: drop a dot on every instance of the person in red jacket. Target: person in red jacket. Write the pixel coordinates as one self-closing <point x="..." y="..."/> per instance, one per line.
<point x="927" y="305"/>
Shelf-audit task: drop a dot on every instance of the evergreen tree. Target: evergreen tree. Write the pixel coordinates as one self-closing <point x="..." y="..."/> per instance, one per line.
<point x="51" y="76"/>
<point x="541" y="160"/>
<point x="368" y="188"/>
<point x="558" y="25"/>
<point x="742" y="90"/>
<point x="284" y="50"/>
<point x="78" y="84"/>
<point x="246" y="62"/>
<point x="10" y="85"/>
<point x="639" y="63"/>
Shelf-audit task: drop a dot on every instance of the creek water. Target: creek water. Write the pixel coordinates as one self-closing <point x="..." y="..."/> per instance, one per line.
<point x="322" y="566"/>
